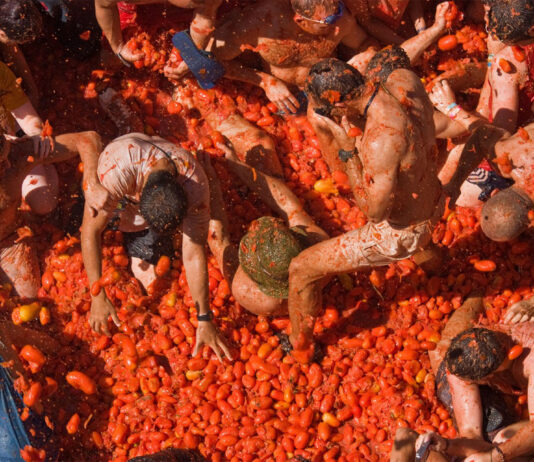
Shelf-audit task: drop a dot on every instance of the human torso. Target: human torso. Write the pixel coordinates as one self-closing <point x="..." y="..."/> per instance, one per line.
<point x="418" y="189"/>
<point x="288" y="52"/>
<point x="517" y="153"/>
<point x="125" y="164"/>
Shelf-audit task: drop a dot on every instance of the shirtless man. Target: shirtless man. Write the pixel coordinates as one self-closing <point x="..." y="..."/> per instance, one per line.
<point x="376" y="65"/>
<point x="18" y="262"/>
<point x="472" y="374"/>
<point x="258" y="271"/>
<point x="289" y="38"/>
<point x="107" y="14"/>
<point x="392" y="168"/>
<point x="156" y="189"/>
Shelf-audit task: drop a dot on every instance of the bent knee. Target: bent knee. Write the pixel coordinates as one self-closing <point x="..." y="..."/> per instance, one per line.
<point x="40" y="189"/>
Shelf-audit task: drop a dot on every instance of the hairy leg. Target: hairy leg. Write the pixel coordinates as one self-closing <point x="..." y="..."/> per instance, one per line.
<point x="306" y="273"/>
<point x="19" y="266"/>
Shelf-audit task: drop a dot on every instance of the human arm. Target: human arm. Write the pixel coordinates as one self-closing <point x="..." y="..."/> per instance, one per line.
<point x="91" y="242"/>
<point x="13" y="54"/>
<point x="467" y="406"/>
<point x="355" y="37"/>
<point x="203" y="23"/>
<point x="88" y="145"/>
<point x="415" y="10"/>
<point x="107" y="15"/>
<point x="457" y="447"/>
<point x="416" y="45"/>
<point x="504" y="87"/>
<point x="195" y="233"/>
<point x="242" y="30"/>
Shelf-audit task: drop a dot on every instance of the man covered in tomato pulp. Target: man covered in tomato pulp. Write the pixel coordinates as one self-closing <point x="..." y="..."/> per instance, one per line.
<point x="155" y="189"/>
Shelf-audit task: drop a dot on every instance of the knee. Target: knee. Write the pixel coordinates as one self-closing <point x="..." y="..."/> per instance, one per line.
<point x="40" y="189"/>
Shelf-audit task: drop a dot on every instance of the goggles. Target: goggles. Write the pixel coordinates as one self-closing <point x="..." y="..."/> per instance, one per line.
<point x="331" y="19"/>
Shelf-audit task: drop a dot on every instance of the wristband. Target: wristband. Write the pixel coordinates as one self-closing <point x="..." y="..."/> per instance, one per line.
<point x="452" y="110"/>
<point x="207" y="317"/>
<point x="344" y="155"/>
<point x="490" y="60"/>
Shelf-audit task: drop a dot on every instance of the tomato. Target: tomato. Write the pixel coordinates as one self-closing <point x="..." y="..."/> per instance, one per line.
<point x="447" y="43"/>
<point x="485" y="265"/>
<point x="33" y="394"/>
<point x="73" y="424"/>
<point x="163" y="266"/>
<point x="81" y="382"/>
<point x="32" y="355"/>
<point x="506" y="66"/>
<point x="515" y="352"/>
<point x="47" y="279"/>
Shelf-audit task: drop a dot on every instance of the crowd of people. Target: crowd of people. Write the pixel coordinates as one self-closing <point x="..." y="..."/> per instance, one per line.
<point x="351" y="73"/>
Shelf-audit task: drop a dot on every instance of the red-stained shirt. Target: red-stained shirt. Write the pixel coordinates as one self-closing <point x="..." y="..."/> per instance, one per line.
<point x="125" y="164"/>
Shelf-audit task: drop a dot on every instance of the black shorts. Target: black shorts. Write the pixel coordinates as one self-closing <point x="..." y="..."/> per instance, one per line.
<point x="148" y="245"/>
<point x="497" y="413"/>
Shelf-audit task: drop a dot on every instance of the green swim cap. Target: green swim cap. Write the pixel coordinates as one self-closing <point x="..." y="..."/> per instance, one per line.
<point x="265" y="253"/>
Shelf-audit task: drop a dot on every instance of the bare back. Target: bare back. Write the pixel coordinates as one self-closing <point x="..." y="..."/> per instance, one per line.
<point x="402" y="112"/>
<point x="287" y="52"/>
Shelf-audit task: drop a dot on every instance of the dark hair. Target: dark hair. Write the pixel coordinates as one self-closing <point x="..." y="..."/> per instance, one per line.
<point x="505" y="215"/>
<point x="20" y="20"/>
<point x="385" y="62"/>
<point x="307" y="8"/>
<point x="475" y="353"/>
<point x="163" y="202"/>
<point x="331" y="81"/>
<point x="171" y="455"/>
<point x="511" y="20"/>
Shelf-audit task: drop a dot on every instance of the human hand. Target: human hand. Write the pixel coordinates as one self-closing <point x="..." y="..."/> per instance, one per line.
<point x="479" y="457"/>
<point x="340" y="132"/>
<point x="442" y="96"/>
<point x="101" y="309"/>
<point x="96" y="197"/>
<point x="229" y="151"/>
<point x="207" y="335"/>
<point x="173" y="71"/>
<point x="437" y="442"/>
<point x="43" y="146"/>
<point x="278" y="93"/>
<point x="128" y="55"/>
<point x="440" y="20"/>
<point x="522" y="311"/>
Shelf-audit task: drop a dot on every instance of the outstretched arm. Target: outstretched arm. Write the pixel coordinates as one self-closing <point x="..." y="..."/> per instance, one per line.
<point x="91" y="240"/>
<point x="416" y="45"/>
<point x="107" y="15"/>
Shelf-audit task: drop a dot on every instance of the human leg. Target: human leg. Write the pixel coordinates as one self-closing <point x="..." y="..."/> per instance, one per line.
<point x="19" y="266"/>
<point x="40" y="189"/>
<point x="372" y="245"/>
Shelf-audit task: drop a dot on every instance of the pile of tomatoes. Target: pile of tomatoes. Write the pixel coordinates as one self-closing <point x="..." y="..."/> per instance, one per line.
<point x="140" y="391"/>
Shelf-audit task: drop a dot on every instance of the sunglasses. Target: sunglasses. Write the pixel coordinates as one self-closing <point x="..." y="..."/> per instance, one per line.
<point x="331" y="19"/>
